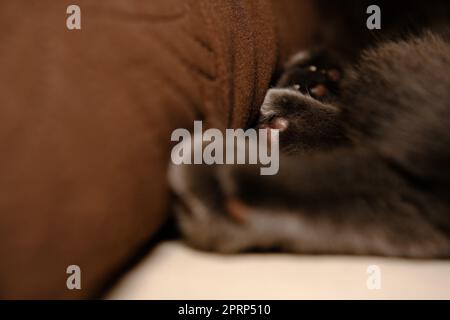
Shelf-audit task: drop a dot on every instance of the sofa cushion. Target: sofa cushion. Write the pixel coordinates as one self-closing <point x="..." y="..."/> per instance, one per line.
<point x="86" y="117"/>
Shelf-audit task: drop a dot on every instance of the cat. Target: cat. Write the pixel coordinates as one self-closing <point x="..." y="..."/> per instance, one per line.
<point x="365" y="142"/>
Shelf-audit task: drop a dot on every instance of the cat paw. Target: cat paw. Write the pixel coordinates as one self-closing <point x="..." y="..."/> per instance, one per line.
<point x="303" y="104"/>
<point x="304" y="122"/>
<point x="312" y="73"/>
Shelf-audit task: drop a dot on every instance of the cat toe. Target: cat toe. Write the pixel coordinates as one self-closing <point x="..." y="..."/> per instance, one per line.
<point x="281" y="104"/>
<point x="277" y="123"/>
<point x="312" y="73"/>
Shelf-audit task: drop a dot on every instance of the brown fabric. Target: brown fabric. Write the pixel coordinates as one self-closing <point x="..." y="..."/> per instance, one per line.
<point x="86" y="118"/>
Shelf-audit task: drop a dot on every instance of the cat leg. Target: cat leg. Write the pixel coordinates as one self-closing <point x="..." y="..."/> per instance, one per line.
<point x="342" y="202"/>
<point x="305" y="123"/>
<point x="201" y="212"/>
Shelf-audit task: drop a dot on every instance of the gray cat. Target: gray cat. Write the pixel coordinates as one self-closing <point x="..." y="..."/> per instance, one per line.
<point x="365" y="165"/>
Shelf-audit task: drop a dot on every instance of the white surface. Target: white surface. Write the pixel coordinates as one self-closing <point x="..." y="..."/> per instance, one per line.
<point x="175" y="271"/>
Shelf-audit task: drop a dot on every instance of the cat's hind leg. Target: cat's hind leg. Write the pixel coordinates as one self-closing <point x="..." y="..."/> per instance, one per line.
<point x="344" y="202"/>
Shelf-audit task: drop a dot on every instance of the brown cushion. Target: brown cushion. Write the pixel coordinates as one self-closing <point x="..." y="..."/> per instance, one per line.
<point x="86" y="118"/>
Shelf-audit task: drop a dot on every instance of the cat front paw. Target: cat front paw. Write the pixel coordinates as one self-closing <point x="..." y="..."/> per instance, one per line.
<point x="306" y="90"/>
<point x="304" y="122"/>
